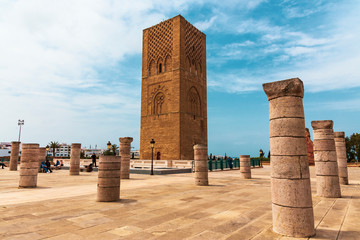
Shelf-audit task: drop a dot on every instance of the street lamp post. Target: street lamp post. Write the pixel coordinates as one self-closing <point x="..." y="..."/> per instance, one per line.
<point x="152" y="144"/>
<point x="108" y="145"/>
<point x="47" y="150"/>
<point x="20" y="123"/>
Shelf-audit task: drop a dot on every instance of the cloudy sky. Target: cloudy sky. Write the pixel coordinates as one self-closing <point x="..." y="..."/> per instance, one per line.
<point x="72" y="69"/>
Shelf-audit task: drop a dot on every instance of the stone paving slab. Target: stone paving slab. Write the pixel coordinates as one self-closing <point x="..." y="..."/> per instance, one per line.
<point x="163" y="207"/>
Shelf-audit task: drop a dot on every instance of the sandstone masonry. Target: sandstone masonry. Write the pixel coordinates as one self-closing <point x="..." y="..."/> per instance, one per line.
<point x="108" y="187"/>
<point x="173" y="94"/>
<point x="14" y="157"/>
<point x="326" y="167"/>
<point x="29" y="165"/>
<point x="75" y="159"/>
<point x="245" y="167"/>
<point x="201" y="165"/>
<point x="125" y="147"/>
<point x="292" y="208"/>
<point x="340" y="146"/>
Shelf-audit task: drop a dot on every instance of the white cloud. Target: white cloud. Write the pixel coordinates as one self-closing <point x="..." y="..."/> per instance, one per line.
<point x="204" y="25"/>
<point x="53" y="54"/>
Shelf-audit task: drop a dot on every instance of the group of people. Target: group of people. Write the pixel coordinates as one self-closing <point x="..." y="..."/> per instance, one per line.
<point x="46" y="165"/>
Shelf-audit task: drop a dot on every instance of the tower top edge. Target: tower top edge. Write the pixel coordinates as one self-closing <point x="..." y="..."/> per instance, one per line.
<point x="170" y="19"/>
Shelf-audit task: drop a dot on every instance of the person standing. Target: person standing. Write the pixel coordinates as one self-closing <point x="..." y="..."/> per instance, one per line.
<point x="93" y="157"/>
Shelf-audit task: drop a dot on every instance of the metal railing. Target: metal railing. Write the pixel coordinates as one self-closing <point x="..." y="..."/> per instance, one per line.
<point x="222" y="164"/>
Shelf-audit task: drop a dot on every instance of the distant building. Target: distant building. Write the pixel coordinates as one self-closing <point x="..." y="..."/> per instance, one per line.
<point x="63" y="151"/>
<point x="135" y="154"/>
<point x="5" y="145"/>
<point x="5" y="152"/>
<point x="89" y="152"/>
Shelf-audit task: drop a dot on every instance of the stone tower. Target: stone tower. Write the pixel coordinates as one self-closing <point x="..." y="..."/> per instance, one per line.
<point x="173" y="92"/>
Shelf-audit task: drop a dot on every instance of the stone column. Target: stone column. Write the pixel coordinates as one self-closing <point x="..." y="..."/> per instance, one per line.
<point x="245" y="167"/>
<point x="108" y="187"/>
<point x="201" y="165"/>
<point x="310" y="148"/>
<point x="42" y="155"/>
<point x="75" y="159"/>
<point x="292" y="209"/>
<point x="125" y="147"/>
<point x="14" y="157"/>
<point x="29" y="165"/>
<point x="326" y="168"/>
<point x="340" y="146"/>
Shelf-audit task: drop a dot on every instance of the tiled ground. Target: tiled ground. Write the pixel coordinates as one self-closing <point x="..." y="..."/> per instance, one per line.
<point x="162" y="207"/>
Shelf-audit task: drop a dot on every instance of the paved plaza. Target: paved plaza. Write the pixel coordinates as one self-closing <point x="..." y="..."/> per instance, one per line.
<point x="163" y="207"/>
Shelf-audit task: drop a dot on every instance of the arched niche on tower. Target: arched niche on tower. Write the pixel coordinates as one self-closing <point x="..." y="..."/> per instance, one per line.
<point x="188" y="64"/>
<point x="152" y="68"/>
<point x="194" y="102"/>
<point x="168" y="64"/>
<point x="160" y="65"/>
<point x="159" y="103"/>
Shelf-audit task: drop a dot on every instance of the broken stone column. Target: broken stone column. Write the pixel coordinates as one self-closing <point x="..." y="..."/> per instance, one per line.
<point x="340" y="146"/>
<point x="29" y="165"/>
<point x="245" y="167"/>
<point x="42" y="155"/>
<point x="201" y="165"/>
<point x="14" y="157"/>
<point x="326" y="167"/>
<point x="310" y="147"/>
<point x="108" y="187"/>
<point x="292" y="209"/>
<point x="75" y="159"/>
<point x="125" y="147"/>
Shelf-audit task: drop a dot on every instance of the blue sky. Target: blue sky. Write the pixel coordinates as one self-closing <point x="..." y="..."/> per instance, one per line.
<point x="72" y="69"/>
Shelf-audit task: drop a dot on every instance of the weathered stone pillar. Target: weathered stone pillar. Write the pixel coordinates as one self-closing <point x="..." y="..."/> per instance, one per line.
<point x="292" y="209"/>
<point x="310" y="147"/>
<point x="29" y="165"/>
<point x="125" y="147"/>
<point x="108" y="188"/>
<point x="42" y="155"/>
<point x="75" y="159"/>
<point x="245" y="167"/>
<point x="326" y="168"/>
<point x="14" y="157"/>
<point x="340" y="146"/>
<point x="201" y="165"/>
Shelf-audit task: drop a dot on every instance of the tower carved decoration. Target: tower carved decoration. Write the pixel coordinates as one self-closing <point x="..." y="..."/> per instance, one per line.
<point x="173" y="95"/>
<point x="157" y="102"/>
<point x="160" y="48"/>
<point x="193" y="49"/>
<point x="194" y="103"/>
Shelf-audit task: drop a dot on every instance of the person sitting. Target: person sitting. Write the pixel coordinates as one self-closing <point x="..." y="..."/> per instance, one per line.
<point x="89" y="168"/>
<point x="48" y="165"/>
<point x="43" y="167"/>
<point x="57" y="165"/>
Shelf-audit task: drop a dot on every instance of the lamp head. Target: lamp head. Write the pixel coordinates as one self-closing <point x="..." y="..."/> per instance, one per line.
<point x="152" y="143"/>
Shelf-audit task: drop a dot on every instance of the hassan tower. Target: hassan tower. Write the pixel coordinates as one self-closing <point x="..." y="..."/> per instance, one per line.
<point x="173" y="92"/>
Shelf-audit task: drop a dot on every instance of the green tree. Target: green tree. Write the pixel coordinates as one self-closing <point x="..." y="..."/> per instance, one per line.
<point x="114" y="147"/>
<point x="353" y="147"/>
<point x="54" y="145"/>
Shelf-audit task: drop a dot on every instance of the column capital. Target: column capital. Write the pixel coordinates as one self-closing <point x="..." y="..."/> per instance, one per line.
<point x="125" y="139"/>
<point x="339" y="134"/>
<point x="76" y="145"/>
<point x="322" y="124"/>
<point x="289" y="87"/>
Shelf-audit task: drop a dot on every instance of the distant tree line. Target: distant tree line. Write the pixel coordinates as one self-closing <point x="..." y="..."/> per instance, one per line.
<point x="353" y="147"/>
